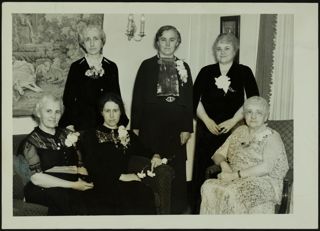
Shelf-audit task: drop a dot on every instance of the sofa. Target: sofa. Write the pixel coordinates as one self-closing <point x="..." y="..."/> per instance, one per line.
<point x="285" y="129"/>
<point x="161" y="185"/>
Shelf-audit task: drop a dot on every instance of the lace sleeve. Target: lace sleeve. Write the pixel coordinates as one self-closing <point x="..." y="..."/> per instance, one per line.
<point x="31" y="155"/>
<point x="275" y="156"/>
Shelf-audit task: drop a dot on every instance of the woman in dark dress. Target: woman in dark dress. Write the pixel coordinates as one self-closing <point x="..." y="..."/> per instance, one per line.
<point x="55" y="165"/>
<point x="89" y="78"/>
<point x="162" y="109"/>
<point x="218" y="95"/>
<point x="107" y="151"/>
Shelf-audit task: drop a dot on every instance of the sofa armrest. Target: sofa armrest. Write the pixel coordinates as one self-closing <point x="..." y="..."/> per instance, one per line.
<point x="21" y="208"/>
<point x="212" y="171"/>
<point x="286" y="193"/>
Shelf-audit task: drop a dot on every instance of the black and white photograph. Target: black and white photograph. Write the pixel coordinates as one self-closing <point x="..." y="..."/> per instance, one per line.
<point x="159" y="115"/>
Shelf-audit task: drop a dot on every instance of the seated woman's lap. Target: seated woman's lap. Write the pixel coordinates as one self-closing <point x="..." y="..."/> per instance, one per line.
<point x="60" y="201"/>
<point x="251" y="191"/>
<point x="134" y="197"/>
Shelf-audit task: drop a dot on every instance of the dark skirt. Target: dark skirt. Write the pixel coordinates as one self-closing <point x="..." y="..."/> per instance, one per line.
<point x="206" y="145"/>
<point x="123" y="198"/>
<point x="60" y="201"/>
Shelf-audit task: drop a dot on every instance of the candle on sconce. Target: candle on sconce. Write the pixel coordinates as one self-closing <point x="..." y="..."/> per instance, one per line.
<point x="130" y="20"/>
<point x="142" y="24"/>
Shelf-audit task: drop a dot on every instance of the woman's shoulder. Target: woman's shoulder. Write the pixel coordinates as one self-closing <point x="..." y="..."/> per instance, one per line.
<point x="243" y="67"/>
<point x="274" y="135"/>
<point x="108" y="62"/>
<point x="152" y="59"/>
<point x="80" y="61"/>
<point x="209" y="69"/>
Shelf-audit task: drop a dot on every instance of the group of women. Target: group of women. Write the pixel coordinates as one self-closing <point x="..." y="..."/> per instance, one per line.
<point x="81" y="166"/>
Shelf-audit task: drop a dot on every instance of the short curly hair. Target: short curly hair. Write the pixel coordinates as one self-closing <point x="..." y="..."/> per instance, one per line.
<point x="257" y="100"/>
<point x="42" y="101"/>
<point x="228" y="38"/>
<point x="81" y="35"/>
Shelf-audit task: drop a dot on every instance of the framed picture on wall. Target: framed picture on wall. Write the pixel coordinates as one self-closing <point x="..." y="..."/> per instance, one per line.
<point x="231" y="24"/>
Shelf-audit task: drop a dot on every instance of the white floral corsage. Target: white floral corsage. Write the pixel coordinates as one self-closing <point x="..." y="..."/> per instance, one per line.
<point x="182" y="71"/>
<point x="123" y="136"/>
<point x="142" y="174"/>
<point x="223" y="82"/>
<point x="72" y="139"/>
<point x="95" y="71"/>
<point x="150" y="173"/>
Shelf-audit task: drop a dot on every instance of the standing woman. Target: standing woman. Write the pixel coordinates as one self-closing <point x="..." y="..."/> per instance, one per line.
<point x="218" y="96"/>
<point x="89" y="78"/>
<point x="162" y="109"/>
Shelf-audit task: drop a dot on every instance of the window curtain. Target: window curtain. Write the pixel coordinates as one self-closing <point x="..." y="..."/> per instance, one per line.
<point x="265" y="60"/>
<point x="281" y="100"/>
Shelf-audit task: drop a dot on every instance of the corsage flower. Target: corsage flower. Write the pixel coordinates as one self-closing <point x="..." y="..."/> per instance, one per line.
<point x="72" y="139"/>
<point x="223" y="82"/>
<point x="95" y="71"/>
<point x="142" y="174"/>
<point x="182" y="71"/>
<point x="123" y="136"/>
<point x="150" y="173"/>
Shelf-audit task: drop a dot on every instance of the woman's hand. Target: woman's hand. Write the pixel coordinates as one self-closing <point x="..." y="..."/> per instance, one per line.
<point x="82" y="171"/>
<point x="225" y="167"/>
<point x="155" y="161"/>
<point x="228" y="176"/>
<point x="212" y="126"/>
<point x="227" y="125"/>
<point x="82" y="185"/>
<point x="129" y="177"/>
<point x="71" y="128"/>
<point x="136" y="131"/>
<point x="184" y="137"/>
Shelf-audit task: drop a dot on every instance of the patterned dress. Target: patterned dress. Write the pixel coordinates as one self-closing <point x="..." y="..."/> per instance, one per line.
<point x="255" y="194"/>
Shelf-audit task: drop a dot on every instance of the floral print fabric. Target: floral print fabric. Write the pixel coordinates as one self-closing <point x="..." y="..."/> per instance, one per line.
<point x="255" y="194"/>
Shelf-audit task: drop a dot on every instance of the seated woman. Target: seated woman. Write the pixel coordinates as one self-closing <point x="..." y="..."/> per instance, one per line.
<point x="253" y="163"/>
<point x="107" y="151"/>
<point x="54" y="162"/>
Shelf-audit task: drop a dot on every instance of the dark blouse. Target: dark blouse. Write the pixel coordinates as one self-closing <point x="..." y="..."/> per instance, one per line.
<point x="81" y="94"/>
<point x="146" y="103"/>
<point x="44" y="151"/>
<point x="106" y="158"/>
<point x="218" y="104"/>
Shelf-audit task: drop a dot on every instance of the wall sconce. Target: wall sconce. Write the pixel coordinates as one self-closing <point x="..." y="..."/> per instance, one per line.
<point x="132" y="28"/>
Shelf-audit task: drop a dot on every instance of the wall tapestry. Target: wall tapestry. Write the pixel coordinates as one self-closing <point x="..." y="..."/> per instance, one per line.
<point x="43" y="48"/>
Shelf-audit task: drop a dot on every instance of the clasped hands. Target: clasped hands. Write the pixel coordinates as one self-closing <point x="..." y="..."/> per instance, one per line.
<point x="218" y="129"/>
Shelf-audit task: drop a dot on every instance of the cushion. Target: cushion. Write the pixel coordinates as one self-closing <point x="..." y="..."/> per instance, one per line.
<point x="21" y="168"/>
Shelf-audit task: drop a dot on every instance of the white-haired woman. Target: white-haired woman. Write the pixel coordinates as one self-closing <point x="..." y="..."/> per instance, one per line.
<point x="54" y="163"/>
<point x="253" y="163"/>
<point x="89" y="78"/>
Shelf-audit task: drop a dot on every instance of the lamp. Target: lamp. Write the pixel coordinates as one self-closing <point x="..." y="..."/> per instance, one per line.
<point x="132" y="28"/>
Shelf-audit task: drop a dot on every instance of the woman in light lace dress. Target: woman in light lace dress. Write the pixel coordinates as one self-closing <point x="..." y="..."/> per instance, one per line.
<point x="253" y="163"/>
